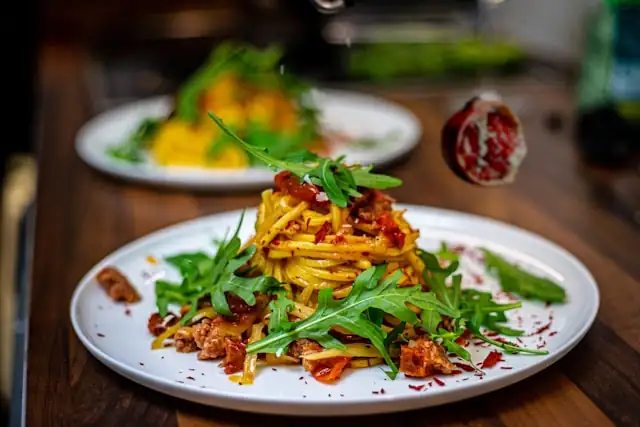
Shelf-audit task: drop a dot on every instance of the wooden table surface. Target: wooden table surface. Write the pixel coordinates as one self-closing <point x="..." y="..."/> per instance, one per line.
<point x="82" y="216"/>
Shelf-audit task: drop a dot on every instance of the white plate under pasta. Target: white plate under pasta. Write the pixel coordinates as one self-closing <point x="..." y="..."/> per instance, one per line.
<point x="117" y="336"/>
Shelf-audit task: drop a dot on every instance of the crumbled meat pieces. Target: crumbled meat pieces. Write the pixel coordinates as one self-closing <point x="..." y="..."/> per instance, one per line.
<point x="184" y="340"/>
<point x="422" y="357"/>
<point x="236" y="351"/>
<point x="209" y="338"/>
<point x="303" y="347"/>
<point x="371" y="205"/>
<point x="117" y="285"/>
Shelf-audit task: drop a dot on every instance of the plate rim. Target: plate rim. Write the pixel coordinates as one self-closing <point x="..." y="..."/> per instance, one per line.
<point x="223" y="180"/>
<point x="351" y="406"/>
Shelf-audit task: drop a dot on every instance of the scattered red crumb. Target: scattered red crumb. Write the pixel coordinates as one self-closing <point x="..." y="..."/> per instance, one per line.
<point x="191" y="378"/>
<point x="439" y="381"/>
<point x="478" y="279"/>
<point x="541" y="329"/>
<point x="458" y="249"/>
<point x="478" y="375"/>
<point x="382" y="391"/>
<point x="506" y="367"/>
<point x="127" y="312"/>
<point x="100" y="335"/>
<point x="273" y="369"/>
<point x="539" y="346"/>
<point x="456" y="372"/>
<point x="375" y="392"/>
<point x="492" y="359"/>
<point x="322" y="232"/>
<point x="141" y="364"/>
<point x="429" y="383"/>
<point x="301" y="378"/>
<point x="553" y="333"/>
<point x="464" y="367"/>
<point x="492" y="334"/>
<point x="416" y="387"/>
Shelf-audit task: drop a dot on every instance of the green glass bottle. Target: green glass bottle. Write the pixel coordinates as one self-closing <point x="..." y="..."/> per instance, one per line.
<point x="608" y="125"/>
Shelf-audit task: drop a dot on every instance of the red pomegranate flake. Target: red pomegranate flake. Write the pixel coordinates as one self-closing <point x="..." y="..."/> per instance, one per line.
<point x="322" y="233"/>
<point x="456" y="372"/>
<point x="439" y="381"/>
<point x="553" y="333"/>
<point x="504" y="341"/>
<point x="390" y="229"/>
<point x="506" y="367"/>
<point x="100" y="335"/>
<point x="492" y="359"/>
<point x="541" y="329"/>
<point x="416" y="387"/>
<point x="464" y="367"/>
<point x="127" y="312"/>
<point x="483" y="143"/>
<point x="492" y="334"/>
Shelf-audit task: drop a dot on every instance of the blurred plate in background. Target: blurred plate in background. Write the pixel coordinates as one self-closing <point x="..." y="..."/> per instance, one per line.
<point x="375" y="132"/>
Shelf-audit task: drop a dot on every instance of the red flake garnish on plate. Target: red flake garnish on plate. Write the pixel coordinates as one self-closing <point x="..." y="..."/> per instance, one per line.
<point x="456" y="372"/>
<point x="478" y="280"/>
<point x="322" y="233"/>
<point x="127" y="312"/>
<point x="492" y="359"/>
<point x="100" y="335"/>
<point x="439" y="381"/>
<point x="464" y="367"/>
<point x="375" y="392"/>
<point x="416" y="387"/>
<point x="541" y="329"/>
<point x="429" y="383"/>
<point x="382" y="391"/>
<point x="553" y="333"/>
<point x="492" y="334"/>
<point x="506" y="367"/>
<point x="141" y="364"/>
<point x="191" y="378"/>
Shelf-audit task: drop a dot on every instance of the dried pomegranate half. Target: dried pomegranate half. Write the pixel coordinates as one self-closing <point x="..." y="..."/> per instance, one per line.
<point x="483" y="143"/>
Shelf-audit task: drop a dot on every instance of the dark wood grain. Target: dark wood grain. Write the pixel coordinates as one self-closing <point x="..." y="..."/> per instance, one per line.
<point x="83" y="215"/>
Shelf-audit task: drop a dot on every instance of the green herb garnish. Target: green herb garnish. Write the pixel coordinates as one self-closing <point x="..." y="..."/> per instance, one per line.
<point x="131" y="149"/>
<point x="368" y="291"/>
<point x="526" y="285"/>
<point x="213" y="277"/>
<point x="476" y="310"/>
<point x="339" y="182"/>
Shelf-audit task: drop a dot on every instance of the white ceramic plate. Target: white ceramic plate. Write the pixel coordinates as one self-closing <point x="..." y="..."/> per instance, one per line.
<point x="121" y="340"/>
<point x="357" y="115"/>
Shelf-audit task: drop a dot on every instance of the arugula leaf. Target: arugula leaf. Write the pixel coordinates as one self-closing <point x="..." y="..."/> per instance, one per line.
<point x="445" y="254"/>
<point x="301" y="156"/>
<point x="337" y="181"/>
<point x="436" y="277"/>
<point x="514" y="279"/>
<point x="348" y="313"/>
<point x="280" y="307"/>
<point x="213" y="277"/>
<point x="131" y="149"/>
<point x="430" y="320"/>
